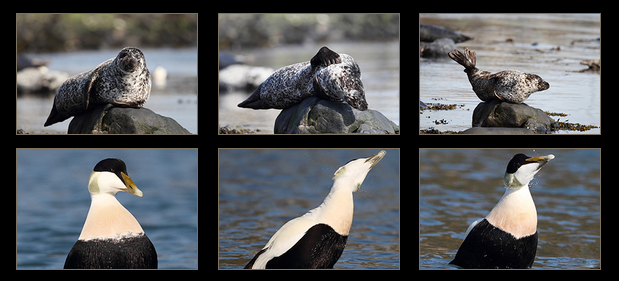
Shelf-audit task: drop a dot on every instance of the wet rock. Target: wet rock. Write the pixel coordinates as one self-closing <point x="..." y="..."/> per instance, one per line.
<point x="429" y="33"/>
<point x="496" y="113"/>
<point x="497" y="131"/>
<point x="242" y="77"/>
<point x="39" y="80"/>
<point x="108" y="119"/>
<point x="594" y="65"/>
<point x="316" y="116"/>
<point x="438" y="48"/>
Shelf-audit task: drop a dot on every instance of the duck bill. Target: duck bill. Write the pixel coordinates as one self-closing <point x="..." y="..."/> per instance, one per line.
<point x="131" y="187"/>
<point x="542" y="160"/>
<point x="374" y="159"/>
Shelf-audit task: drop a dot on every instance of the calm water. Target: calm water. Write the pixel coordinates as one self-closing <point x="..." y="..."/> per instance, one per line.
<point x="534" y="35"/>
<point x="176" y="99"/>
<point x="260" y="190"/>
<point x="460" y="186"/>
<point x="380" y="74"/>
<point x="53" y="201"/>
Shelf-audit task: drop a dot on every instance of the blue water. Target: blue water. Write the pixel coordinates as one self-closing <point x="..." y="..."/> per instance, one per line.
<point x="260" y="190"/>
<point x="457" y="186"/>
<point x="53" y="201"/>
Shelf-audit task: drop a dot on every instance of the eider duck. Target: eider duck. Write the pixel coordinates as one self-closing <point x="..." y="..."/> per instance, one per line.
<point x="111" y="237"/>
<point x="317" y="239"/>
<point x="507" y="237"/>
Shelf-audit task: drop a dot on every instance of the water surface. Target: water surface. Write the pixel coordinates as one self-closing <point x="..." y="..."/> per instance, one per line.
<point x="549" y="45"/>
<point x="52" y="201"/>
<point x="260" y="190"/>
<point x="459" y="186"/>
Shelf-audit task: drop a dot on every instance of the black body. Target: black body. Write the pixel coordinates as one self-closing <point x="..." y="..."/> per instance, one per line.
<point x="130" y="252"/>
<point x="320" y="247"/>
<point x="487" y="246"/>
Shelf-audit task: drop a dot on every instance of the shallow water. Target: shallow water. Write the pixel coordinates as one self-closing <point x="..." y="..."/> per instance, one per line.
<point x="459" y="186"/>
<point x="533" y="50"/>
<point x="52" y="202"/>
<point x="260" y="190"/>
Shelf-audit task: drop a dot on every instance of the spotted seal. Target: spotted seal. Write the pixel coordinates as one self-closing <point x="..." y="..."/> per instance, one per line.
<point x="121" y="81"/>
<point x="510" y="85"/>
<point x="328" y="75"/>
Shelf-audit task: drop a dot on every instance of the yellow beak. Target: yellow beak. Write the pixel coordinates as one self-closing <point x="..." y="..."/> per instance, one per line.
<point x="131" y="187"/>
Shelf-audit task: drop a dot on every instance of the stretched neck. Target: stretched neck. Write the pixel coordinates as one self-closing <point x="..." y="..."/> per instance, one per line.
<point x="338" y="207"/>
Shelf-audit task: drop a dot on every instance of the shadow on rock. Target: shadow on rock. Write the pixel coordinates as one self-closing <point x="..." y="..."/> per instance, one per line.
<point x="108" y="119"/>
<point x="496" y="113"/>
<point x="316" y="116"/>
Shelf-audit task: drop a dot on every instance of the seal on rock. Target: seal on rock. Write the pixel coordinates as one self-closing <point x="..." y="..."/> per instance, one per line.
<point x="328" y="75"/>
<point x="122" y="81"/>
<point x="510" y="85"/>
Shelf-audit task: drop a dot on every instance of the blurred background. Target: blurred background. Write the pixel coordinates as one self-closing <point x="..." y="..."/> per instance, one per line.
<point x="53" y="47"/>
<point x="253" y="46"/>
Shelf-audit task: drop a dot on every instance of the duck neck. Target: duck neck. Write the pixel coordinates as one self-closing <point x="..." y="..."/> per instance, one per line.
<point x="515" y="213"/>
<point x="338" y="208"/>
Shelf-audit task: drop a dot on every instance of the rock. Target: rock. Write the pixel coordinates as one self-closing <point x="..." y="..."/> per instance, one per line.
<point x="316" y="116"/>
<point x="108" y="119"/>
<point x="38" y="80"/>
<point x="242" y="77"/>
<point x="429" y="33"/>
<point x="438" y="48"/>
<point x="496" y="113"/>
<point x="497" y="131"/>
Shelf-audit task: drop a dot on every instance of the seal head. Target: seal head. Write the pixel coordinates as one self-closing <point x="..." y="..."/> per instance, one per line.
<point x="122" y="81"/>
<point x="328" y="75"/>
<point x="511" y="85"/>
<point x="334" y="83"/>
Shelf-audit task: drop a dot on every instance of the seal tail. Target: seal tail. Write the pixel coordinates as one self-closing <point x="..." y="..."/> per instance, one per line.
<point x="468" y="59"/>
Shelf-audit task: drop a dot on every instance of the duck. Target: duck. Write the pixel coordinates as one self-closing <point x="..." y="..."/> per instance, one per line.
<point x="111" y="237"/>
<point x="507" y="237"/>
<point x="317" y="238"/>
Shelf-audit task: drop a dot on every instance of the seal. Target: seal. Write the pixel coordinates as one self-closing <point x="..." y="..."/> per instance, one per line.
<point x="122" y="81"/>
<point x="328" y="75"/>
<point x="511" y="85"/>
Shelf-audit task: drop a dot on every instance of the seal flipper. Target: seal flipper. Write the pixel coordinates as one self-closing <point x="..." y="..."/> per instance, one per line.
<point x="325" y="57"/>
<point x="89" y="81"/>
<point x="55" y="116"/>
<point x="68" y="88"/>
<point x="253" y="101"/>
